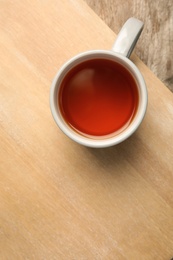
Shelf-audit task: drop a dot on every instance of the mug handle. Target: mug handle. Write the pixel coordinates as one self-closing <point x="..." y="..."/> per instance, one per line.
<point x="128" y="37"/>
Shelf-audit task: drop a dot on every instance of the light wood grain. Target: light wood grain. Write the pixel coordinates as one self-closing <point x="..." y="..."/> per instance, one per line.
<point x="155" y="47"/>
<point x="60" y="200"/>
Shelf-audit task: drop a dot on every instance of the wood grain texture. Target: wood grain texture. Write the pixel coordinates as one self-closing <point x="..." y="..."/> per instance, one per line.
<point x="60" y="200"/>
<point x="155" y="47"/>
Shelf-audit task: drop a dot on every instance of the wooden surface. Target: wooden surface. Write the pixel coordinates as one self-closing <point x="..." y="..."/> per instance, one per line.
<point x="157" y="34"/>
<point x="60" y="200"/>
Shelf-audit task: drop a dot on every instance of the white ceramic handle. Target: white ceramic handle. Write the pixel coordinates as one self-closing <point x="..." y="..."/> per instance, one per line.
<point x="128" y="37"/>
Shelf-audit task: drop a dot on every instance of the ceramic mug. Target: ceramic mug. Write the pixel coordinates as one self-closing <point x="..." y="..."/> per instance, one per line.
<point x="125" y="103"/>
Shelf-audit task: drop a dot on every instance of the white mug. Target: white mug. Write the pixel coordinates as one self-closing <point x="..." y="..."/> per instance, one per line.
<point x="119" y="54"/>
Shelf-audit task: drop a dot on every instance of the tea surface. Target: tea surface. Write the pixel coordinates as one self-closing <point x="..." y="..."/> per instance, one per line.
<point x="98" y="97"/>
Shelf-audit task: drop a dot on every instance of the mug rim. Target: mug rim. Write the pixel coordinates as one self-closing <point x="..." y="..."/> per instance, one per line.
<point x="113" y="139"/>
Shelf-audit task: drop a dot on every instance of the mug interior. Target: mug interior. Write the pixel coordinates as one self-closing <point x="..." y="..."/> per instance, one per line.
<point x="113" y="138"/>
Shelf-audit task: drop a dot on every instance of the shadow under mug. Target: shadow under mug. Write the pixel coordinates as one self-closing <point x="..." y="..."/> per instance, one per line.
<point x="120" y="53"/>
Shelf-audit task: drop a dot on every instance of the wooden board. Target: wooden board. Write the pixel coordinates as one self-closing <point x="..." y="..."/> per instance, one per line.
<point x="60" y="200"/>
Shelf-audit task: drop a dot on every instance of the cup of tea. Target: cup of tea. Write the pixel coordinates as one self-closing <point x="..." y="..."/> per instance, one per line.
<point x="99" y="98"/>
